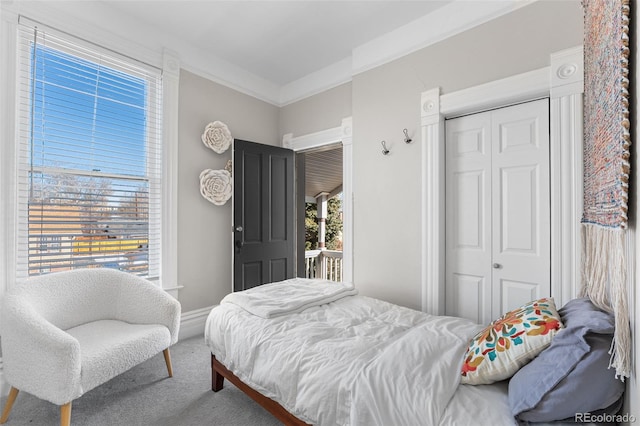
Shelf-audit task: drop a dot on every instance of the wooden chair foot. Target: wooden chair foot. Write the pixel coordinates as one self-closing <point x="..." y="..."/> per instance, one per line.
<point x="13" y="393"/>
<point x="167" y="359"/>
<point x="65" y="414"/>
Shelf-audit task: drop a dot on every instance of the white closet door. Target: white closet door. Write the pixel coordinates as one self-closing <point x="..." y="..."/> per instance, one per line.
<point x="521" y="205"/>
<point x="497" y="210"/>
<point x="468" y="217"/>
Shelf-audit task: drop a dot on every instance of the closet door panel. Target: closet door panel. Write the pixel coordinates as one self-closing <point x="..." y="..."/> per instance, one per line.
<point x="521" y="205"/>
<point x="468" y="210"/>
<point x="498" y="232"/>
<point x="513" y="293"/>
<point x="468" y="297"/>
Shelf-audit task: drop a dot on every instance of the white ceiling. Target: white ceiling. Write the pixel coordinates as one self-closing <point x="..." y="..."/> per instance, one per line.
<point x="280" y="41"/>
<point x="277" y="51"/>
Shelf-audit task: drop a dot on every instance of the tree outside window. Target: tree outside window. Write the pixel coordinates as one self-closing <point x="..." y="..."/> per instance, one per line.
<point x="333" y="228"/>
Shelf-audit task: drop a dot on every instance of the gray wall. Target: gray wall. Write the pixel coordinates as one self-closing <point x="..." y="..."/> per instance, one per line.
<point x="382" y="101"/>
<point x="385" y="100"/>
<point x="320" y="112"/>
<point x="204" y="229"/>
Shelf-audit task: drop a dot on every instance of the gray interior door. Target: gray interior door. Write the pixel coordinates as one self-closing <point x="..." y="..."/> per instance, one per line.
<point x="263" y="215"/>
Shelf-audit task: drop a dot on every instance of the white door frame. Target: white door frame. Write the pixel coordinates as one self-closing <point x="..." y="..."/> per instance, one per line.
<point x="341" y="134"/>
<point x="563" y="83"/>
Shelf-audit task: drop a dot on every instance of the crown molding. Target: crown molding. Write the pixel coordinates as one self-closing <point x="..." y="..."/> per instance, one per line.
<point x="447" y="21"/>
<point x="317" y="82"/>
<point x="147" y="43"/>
<point x="454" y="18"/>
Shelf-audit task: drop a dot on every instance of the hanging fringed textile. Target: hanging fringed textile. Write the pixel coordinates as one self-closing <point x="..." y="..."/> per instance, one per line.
<point x="605" y="283"/>
<point x="606" y="167"/>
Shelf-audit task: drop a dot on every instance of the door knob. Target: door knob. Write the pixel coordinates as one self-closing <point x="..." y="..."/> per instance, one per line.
<point x="239" y="228"/>
<point x="497" y="266"/>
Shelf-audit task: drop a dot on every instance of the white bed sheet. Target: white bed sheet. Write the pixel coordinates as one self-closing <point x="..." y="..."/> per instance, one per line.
<point x="357" y="361"/>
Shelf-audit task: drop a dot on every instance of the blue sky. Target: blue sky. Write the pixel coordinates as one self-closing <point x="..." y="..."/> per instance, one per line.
<point x="87" y="116"/>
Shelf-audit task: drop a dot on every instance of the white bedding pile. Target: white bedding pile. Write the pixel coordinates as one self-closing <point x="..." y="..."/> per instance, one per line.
<point x="289" y="296"/>
<point x="355" y="361"/>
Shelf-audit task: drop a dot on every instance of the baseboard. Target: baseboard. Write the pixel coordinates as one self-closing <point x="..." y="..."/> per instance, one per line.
<point x="192" y="323"/>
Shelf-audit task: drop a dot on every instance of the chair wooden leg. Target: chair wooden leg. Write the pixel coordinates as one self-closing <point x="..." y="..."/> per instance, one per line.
<point x="13" y="393"/>
<point x="167" y="359"/>
<point x="65" y="414"/>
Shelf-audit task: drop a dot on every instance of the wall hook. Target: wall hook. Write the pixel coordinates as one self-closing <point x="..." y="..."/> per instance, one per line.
<point x="407" y="139"/>
<point x="385" y="151"/>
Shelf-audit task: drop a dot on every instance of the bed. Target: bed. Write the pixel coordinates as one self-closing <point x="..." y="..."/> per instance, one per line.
<point x="316" y="352"/>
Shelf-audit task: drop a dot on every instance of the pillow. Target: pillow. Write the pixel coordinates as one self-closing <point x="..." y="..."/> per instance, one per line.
<point x="509" y="342"/>
<point x="572" y="375"/>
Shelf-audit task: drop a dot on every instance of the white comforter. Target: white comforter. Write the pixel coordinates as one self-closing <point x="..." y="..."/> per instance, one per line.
<point x="355" y="361"/>
<point x="289" y="296"/>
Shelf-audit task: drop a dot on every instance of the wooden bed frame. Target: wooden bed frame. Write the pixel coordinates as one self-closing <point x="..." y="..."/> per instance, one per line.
<point x="219" y="372"/>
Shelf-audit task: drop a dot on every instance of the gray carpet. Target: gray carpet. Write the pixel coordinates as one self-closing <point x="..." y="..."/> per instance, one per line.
<point x="145" y="395"/>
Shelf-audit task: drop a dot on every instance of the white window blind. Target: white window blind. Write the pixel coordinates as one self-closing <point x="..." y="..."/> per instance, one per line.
<point x="89" y="157"/>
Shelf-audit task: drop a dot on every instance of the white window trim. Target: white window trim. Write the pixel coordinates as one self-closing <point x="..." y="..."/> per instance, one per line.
<point x="8" y="188"/>
<point x="8" y="154"/>
<point x="341" y="134"/>
<point x="169" y="233"/>
<point x="563" y="83"/>
<point x="170" y="65"/>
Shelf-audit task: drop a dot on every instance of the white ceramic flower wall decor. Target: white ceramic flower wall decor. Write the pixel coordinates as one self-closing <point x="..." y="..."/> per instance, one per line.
<point x="217" y="137"/>
<point x="216" y="186"/>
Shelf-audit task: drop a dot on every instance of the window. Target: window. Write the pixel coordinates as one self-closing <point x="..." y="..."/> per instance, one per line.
<point x="89" y="158"/>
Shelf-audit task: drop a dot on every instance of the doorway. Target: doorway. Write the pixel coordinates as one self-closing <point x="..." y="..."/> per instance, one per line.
<point x="335" y="136"/>
<point x="498" y="226"/>
<point x="338" y="136"/>
<point x="320" y="212"/>
<point x="565" y="118"/>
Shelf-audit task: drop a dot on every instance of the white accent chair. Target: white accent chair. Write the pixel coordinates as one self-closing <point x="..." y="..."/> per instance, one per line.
<point x="65" y="333"/>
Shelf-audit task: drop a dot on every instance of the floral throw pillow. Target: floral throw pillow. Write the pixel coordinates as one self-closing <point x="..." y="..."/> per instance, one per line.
<point x="509" y="342"/>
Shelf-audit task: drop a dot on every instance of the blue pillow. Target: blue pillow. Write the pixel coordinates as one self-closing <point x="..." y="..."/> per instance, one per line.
<point x="572" y="375"/>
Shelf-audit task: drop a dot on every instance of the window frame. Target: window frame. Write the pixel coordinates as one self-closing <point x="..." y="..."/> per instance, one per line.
<point x="73" y="49"/>
<point x="169" y="65"/>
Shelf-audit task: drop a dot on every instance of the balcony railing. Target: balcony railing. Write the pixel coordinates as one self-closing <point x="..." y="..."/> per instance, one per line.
<point x="325" y="264"/>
